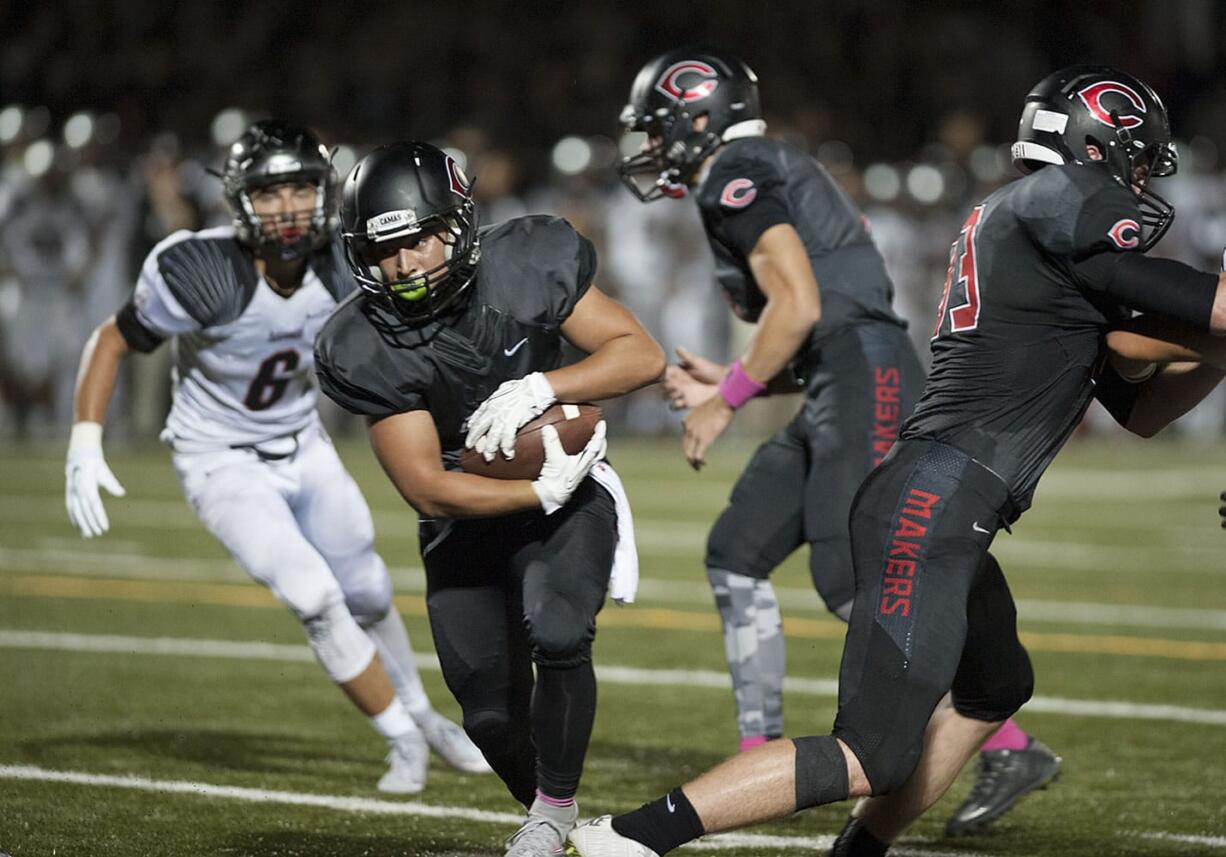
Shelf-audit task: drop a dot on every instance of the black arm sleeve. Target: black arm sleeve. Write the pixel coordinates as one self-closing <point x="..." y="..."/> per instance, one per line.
<point x="138" y="337"/>
<point x="1163" y="286"/>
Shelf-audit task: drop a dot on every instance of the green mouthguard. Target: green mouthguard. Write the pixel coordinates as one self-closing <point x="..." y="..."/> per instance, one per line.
<point x="414" y="290"/>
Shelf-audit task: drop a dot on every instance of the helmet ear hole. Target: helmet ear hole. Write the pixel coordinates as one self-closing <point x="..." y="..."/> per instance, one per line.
<point x="1095" y="150"/>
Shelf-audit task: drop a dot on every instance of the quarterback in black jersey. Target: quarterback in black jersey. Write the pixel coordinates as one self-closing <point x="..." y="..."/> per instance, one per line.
<point x="793" y="255"/>
<point x="456" y="337"/>
<point x="1037" y="278"/>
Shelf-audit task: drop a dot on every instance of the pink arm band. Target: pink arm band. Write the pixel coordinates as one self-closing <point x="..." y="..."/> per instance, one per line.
<point x="737" y="388"/>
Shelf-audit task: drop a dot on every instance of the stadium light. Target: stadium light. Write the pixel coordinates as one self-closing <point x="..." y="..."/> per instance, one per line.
<point x="10" y="123"/>
<point x="38" y="157"/>
<point x="571" y="155"/>
<point x="78" y="130"/>
<point x="881" y="182"/>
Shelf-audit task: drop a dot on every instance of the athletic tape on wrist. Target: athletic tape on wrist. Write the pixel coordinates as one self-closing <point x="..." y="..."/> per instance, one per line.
<point x="85" y="434"/>
<point x="737" y="388"/>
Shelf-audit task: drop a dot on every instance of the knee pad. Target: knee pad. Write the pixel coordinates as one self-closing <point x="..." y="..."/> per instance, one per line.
<point x="367" y="588"/>
<point x="821" y="771"/>
<point x="560" y="638"/>
<point x="1002" y="700"/>
<point x="560" y="630"/>
<point x="340" y="645"/>
<point x="489" y="728"/>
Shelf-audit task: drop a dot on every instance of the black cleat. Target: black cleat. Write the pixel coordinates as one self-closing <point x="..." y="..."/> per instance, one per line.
<point x="854" y="840"/>
<point x="1004" y="778"/>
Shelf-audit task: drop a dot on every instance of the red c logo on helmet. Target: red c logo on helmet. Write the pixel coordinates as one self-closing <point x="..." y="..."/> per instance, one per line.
<point x="669" y="82"/>
<point x="1093" y="95"/>
<point x="455" y="175"/>
<point x="1118" y="237"/>
<point x="738" y="193"/>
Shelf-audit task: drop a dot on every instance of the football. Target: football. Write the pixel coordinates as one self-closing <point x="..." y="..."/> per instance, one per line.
<point x="574" y="423"/>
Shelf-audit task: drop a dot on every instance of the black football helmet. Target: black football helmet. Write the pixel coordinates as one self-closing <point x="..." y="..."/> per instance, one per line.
<point x="271" y="152"/>
<point x="398" y="191"/>
<point x="1120" y="115"/>
<point x="669" y="93"/>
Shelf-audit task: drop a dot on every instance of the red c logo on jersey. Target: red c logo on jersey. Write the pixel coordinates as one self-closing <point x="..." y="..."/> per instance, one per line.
<point x="669" y="82"/>
<point x="459" y="182"/>
<point x="738" y="193"/>
<point x="1093" y="95"/>
<point x="1118" y="237"/>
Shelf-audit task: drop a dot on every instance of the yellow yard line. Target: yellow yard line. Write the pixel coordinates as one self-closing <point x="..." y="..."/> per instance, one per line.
<point x="656" y="618"/>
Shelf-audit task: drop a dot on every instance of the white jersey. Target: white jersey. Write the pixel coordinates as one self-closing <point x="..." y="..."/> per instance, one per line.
<point x="243" y="355"/>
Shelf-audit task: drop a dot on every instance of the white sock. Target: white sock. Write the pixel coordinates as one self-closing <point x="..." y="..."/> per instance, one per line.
<point x="392" y="641"/>
<point x="394" y="722"/>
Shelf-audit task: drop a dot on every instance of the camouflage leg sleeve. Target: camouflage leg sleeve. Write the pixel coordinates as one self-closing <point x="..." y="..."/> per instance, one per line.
<point x="753" y="645"/>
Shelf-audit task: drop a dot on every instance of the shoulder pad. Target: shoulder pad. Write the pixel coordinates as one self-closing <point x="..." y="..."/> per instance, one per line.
<point x="210" y="275"/>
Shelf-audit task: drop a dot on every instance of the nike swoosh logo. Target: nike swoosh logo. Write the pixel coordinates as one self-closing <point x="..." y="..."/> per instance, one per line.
<point x="515" y="347"/>
<point x="668" y="801"/>
<point x="975" y="526"/>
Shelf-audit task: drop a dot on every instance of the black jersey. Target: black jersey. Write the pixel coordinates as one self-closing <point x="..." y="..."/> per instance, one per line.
<point x="755" y="183"/>
<point x="1019" y="340"/>
<point x="533" y="270"/>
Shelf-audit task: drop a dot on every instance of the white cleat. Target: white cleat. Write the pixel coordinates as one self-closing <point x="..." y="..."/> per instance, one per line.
<point x="597" y="838"/>
<point x="538" y="836"/>
<point x="407" y="763"/>
<point x="452" y="745"/>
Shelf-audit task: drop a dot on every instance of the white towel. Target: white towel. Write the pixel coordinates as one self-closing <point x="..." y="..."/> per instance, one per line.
<point x="624" y="581"/>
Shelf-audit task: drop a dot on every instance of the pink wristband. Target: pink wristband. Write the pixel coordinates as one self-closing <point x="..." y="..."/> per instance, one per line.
<point x="737" y="388"/>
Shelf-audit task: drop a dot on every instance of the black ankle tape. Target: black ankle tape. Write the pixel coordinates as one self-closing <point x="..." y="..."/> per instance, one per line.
<point x="821" y="771"/>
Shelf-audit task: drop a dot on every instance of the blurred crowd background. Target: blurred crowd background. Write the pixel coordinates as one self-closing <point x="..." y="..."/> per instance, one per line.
<point x="112" y="115"/>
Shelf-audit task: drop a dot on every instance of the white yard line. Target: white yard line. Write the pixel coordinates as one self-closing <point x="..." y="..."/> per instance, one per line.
<point x="84" y="562"/>
<point x="342" y="803"/>
<point x="820" y="687"/>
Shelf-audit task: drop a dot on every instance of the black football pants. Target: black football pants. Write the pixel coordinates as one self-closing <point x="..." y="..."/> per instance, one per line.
<point x="798" y="486"/>
<point x="504" y="594"/>
<point x="932" y="611"/>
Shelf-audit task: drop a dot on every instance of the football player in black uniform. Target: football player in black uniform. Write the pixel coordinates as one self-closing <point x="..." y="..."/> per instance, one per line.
<point x="516" y="570"/>
<point x="793" y="255"/>
<point x="1041" y="270"/>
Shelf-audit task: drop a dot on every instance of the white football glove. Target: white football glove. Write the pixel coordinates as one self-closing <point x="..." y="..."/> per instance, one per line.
<point x="562" y="473"/>
<point x="494" y="424"/>
<point x="85" y="471"/>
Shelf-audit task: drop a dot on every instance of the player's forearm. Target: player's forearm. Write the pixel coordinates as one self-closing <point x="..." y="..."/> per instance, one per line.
<point x="100" y="360"/>
<point x="1157" y="340"/>
<point x="783" y="329"/>
<point x="1170" y="394"/>
<point x="454" y="494"/>
<point x="619" y="366"/>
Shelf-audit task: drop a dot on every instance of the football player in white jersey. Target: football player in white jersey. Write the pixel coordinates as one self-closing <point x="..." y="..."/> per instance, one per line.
<point x="241" y="305"/>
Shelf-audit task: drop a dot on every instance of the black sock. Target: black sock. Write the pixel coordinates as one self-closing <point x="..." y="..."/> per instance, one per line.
<point x="663" y="824"/>
<point x="855" y="841"/>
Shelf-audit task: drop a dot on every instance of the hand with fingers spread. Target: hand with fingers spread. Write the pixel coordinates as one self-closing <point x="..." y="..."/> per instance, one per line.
<point x="562" y="473"/>
<point x="494" y="424"/>
<point x="85" y="471"/>
<point x="685" y="392"/>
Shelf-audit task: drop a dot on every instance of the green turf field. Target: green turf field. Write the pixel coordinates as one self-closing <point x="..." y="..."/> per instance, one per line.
<point x="153" y="701"/>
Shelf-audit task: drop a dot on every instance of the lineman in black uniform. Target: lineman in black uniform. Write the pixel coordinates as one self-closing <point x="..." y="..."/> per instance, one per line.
<point x="516" y="570"/>
<point x="794" y="255"/>
<point x="1037" y="276"/>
